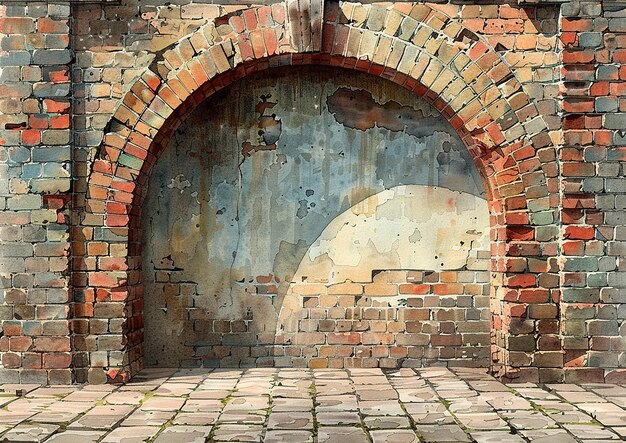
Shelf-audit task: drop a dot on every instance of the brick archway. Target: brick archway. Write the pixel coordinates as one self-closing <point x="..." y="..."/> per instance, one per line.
<point x="418" y="48"/>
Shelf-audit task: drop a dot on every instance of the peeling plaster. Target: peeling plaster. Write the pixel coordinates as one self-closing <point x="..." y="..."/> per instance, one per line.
<point x="254" y="177"/>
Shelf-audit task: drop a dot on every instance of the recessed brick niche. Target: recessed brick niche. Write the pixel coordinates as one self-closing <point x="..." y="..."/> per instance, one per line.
<point x="142" y="144"/>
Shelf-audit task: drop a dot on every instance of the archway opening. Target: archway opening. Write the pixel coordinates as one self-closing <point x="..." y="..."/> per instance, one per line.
<point x="312" y="216"/>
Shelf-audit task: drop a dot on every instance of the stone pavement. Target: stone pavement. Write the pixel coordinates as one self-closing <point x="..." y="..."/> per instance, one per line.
<point x="303" y="405"/>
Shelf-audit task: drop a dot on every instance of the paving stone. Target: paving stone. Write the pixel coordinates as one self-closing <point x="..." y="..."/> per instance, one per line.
<point x="607" y="390"/>
<point x="385" y="407"/>
<point x="290" y="420"/>
<point x="334" y="388"/>
<point x="611" y="418"/>
<point x="86" y="395"/>
<point x="370" y="380"/>
<point x="148" y="418"/>
<point x="134" y="434"/>
<point x="77" y="436"/>
<point x="474" y="404"/>
<point x="232" y="432"/>
<point x="595" y="409"/>
<point x="339" y="418"/>
<point x="13" y="418"/>
<point x="389" y="422"/>
<point x="139" y="387"/>
<point x="209" y="394"/>
<point x="619" y="401"/>
<point x="536" y="394"/>
<point x="529" y="420"/>
<point x="163" y="404"/>
<point x="409" y="383"/>
<point x="11" y="388"/>
<point x="505" y="401"/>
<point x="341" y="434"/>
<point x="590" y="431"/>
<point x="51" y="391"/>
<point x="184" y="434"/>
<point x="548" y="436"/>
<point x="328" y="374"/>
<point x="488" y="386"/>
<point x="291" y="404"/>
<point x="571" y="417"/>
<point x="496" y="437"/>
<point x="62" y="412"/>
<point x="252" y="391"/>
<point x="100" y="388"/>
<point x="482" y="421"/>
<point x="580" y="397"/>
<point x="396" y="436"/>
<point x="336" y="403"/>
<point x="124" y="398"/>
<point x="253" y="418"/>
<point x="439" y="418"/>
<point x="442" y="433"/>
<point x="375" y="393"/>
<point x="193" y="419"/>
<point x="30" y="432"/>
<point x="565" y="387"/>
<point x="224" y="374"/>
<point x="196" y="405"/>
<point x="102" y="417"/>
<point x="218" y="384"/>
<point x="419" y="408"/>
<point x="552" y="407"/>
<point x="280" y="436"/>
<point x="247" y="404"/>
<point x="417" y="395"/>
<point x="364" y="372"/>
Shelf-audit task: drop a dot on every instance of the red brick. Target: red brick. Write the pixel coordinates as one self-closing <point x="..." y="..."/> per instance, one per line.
<point x="47" y="25"/>
<point x="446" y="340"/>
<point x="17" y="25"/>
<point x="103" y="279"/>
<point x="579" y="232"/>
<point x="576" y="24"/>
<point x="52" y="344"/>
<point x="448" y="289"/>
<point x="60" y="122"/>
<point x="31" y="137"/>
<point x="57" y="360"/>
<point x="20" y="344"/>
<point x="415" y="289"/>
<point x="574" y="248"/>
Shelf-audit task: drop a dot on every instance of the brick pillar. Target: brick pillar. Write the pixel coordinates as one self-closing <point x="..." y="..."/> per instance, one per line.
<point x="594" y="191"/>
<point x="35" y="159"/>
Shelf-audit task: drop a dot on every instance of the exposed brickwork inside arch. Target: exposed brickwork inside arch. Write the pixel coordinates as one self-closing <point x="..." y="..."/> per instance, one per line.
<point x="491" y="70"/>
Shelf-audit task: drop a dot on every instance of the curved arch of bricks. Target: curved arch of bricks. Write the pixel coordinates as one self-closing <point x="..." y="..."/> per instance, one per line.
<point x="418" y="48"/>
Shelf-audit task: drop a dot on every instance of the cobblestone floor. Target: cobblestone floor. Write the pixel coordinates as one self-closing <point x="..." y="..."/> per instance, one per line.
<point x="300" y="405"/>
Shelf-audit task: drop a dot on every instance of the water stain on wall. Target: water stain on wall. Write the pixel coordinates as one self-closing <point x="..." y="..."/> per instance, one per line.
<point x="243" y="199"/>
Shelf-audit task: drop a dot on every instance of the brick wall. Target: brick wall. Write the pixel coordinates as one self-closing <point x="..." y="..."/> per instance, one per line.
<point x="557" y="304"/>
<point x="401" y="319"/>
<point x="35" y="173"/>
<point x="593" y="307"/>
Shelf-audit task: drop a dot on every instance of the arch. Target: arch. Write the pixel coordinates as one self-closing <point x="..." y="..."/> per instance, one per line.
<point x="418" y="48"/>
